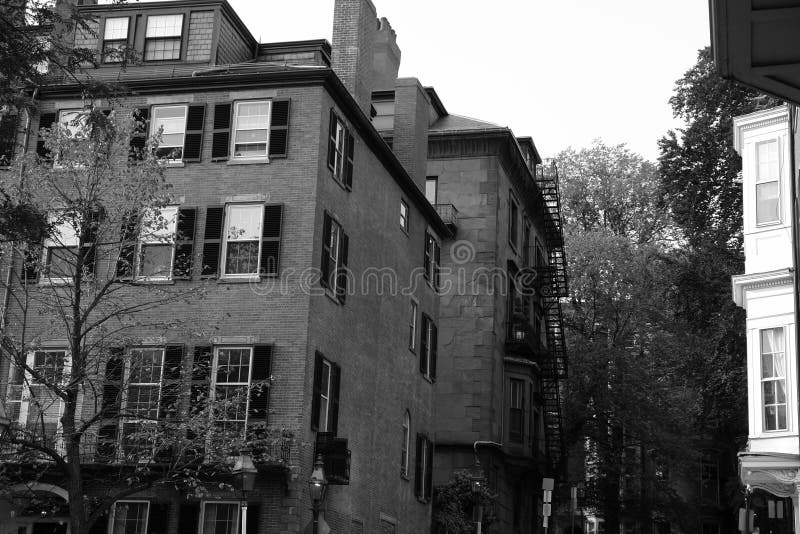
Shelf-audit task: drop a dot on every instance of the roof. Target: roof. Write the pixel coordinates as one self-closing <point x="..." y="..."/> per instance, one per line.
<point x="455" y="123"/>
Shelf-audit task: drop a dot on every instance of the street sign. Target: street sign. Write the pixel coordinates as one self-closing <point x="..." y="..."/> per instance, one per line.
<point x="546" y="509"/>
<point x="548" y="484"/>
<point x="547" y="496"/>
<point x="544" y="521"/>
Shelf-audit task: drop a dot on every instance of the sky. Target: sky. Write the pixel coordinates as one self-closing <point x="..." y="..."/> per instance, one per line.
<point x="564" y="72"/>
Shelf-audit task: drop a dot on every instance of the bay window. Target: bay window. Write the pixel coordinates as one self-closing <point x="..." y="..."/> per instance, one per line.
<point x="773" y="378"/>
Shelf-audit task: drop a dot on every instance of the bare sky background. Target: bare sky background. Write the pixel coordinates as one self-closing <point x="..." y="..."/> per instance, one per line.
<point x="561" y="71"/>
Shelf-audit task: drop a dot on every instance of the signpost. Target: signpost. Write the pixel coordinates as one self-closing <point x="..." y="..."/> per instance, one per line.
<point x="547" y="497"/>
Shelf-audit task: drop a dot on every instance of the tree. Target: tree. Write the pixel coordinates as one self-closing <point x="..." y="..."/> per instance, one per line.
<point x="454" y="506"/>
<point x="87" y="399"/>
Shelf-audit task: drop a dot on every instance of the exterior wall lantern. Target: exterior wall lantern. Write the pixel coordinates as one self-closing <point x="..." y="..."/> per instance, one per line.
<point x="317" y="485"/>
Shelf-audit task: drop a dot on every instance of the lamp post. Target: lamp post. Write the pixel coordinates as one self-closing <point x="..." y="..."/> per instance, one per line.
<point x="244" y="473"/>
<point x="316" y="489"/>
<point x="476" y="481"/>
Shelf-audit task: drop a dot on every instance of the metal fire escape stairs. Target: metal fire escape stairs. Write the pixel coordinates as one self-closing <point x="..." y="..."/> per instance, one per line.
<point x="552" y="290"/>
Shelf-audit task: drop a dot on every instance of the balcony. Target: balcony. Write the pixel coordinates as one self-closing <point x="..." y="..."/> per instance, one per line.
<point x="449" y="215"/>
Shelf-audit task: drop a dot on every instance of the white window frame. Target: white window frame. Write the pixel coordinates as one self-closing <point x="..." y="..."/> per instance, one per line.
<point x="339" y="148"/>
<point x="516" y="402"/>
<point x="112" y="516"/>
<point x="760" y="181"/>
<point x="116" y="39"/>
<point x="236" y="517"/>
<point x="325" y="395"/>
<point x="334" y="246"/>
<point x="233" y="384"/>
<point x="235" y="128"/>
<point x="429" y="347"/>
<point x="412" y="334"/>
<point x="157" y="236"/>
<point x="406" y="444"/>
<point x="65" y="237"/>
<point x="764" y="380"/>
<point x="155" y="125"/>
<point x="226" y="239"/>
<point x="404" y="215"/>
<point x="166" y="37"/>
<point x="435" y="181"/>
<point x="126" y="418"/>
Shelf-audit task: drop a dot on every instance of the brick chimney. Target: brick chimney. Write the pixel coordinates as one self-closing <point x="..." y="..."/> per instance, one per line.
<point x="386" y="57"/>
<point x="410" y="139"/>
<point x="355" y="23"/>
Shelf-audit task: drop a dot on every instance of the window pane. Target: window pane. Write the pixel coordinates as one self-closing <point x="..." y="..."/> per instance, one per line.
<point x="767" y="157"/>
<point x="766" y="366"/>
<point x="242" y="257"/>
<point x="156" y="261"/>
<point x="772" y="340"/>
<point x="44" y="411"/>
<point x="159" y="227"/>
<point x="244" y="222"/>
<point x="130" y="517"/>
<point x="233" y="365"/>
<point x="769" y="392"/>
<point x="769" y="417"/>
<point x="160" y="49"/>
<point x="116" y="28"/>
<point x="767" y="202"/>
<point x="61" y="262"/>
<point x="431" y="185"/>
<point x="220" y="518"/>
<point x="250" y="150"/>
<point x="164" y="26"/>
<point x="251" y="136"/>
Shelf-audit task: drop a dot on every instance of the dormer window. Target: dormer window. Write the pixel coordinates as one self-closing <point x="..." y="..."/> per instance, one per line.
<point x="163" y="37"/>
<point x="115" y="39"/>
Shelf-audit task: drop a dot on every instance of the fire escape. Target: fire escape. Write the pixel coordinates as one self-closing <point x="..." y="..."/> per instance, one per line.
<point x="553" y="287"/>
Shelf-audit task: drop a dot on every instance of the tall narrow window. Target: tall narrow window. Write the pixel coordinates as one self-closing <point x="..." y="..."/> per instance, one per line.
<point x="163" y="37"/>
<point x="405" y="444"/>
<point x="516" y="417"/>
<point x="231" y="386"/>
<point x="773" y="378"/>
<point x="61" y="248"/>
<point x="157" y="244"/>
<point x="242" y="239"/>
<point x="431" y="260"/>
<point x="115" y="39"/>
<point x="428" y="348"/>
<point x="432" y="189"/>
<point x="251" y="129"/>
<point x="341" y="149"/>
<point x="768" y="183"/>
<point x="31" y="398"/>
<point x="404" y="215"/>
<point x="142" y="398"/>
<point x="220" y="518"/>
<point x="412" y="327"/>
<point x="527" y="256"/>
<point x="325" y="402"/>
<point x="513" y="221"/>
<point x="129" y="517"/>
<point x="424" y="468"/>
<point x="171" y="121"/>
<point x="335" y="244"/>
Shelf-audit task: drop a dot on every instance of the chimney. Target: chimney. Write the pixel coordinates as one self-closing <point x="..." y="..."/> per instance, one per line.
<point x="354" y="26"/>
<point x="410" y="139"/>
<point x="386" y="57"/>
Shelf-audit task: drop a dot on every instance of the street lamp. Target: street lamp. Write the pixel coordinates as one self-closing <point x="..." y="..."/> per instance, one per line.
<point x="244" y="473"/>
<point x="316" y="489"/>
<point x="476" y="482"/>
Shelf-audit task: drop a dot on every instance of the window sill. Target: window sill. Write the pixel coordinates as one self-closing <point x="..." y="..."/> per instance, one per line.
<point x="175" y="164"/>
<point x="429" y="379"/>
<point x="405" y="477"/>
<point x="252" y="161"/>
<point x="153" y="282"/>
<point x="238" y="279"/>
<point x="331" y="295"/>
<point x="341" y="184"/>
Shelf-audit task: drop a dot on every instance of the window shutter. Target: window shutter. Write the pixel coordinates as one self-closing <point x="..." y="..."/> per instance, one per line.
<point x="212" y="241"/>
<point x="279" y="129"/>
<point x="112" y="384"/>
<point x="316" y="391"/>
<point x="253" y="510"/>
<point x="184" y="244"/>
<point x="428" y="470"/>
<point x="332" y="142"/>
<point x="8" y="137"/>
<point x="342" y="272"/>
<point x="193" y="140"/>
<point x="423" y="346"/>
<point x="127" y="249"/>
<point x="426" y="259"/>
<point x="139" y="134"/>
<point x="188" y="517"/>
<point x="170" y="385"/>
<point x="220" y="146"/>
<point x="201" y="376"/>
<point x="259" y="393"/>
<point x="437" y="257"/>
<point x="348" y="160"/>
<point x="271" y="240"/>
<point x="336" y="376"/>
<point x="433" y="349"/>
<point x="158" y="517"/>
<point x="326" y="250"/>
<point x="418" y="467"/>
<point x="45" y="121"/>
<point x="31" y="261"/>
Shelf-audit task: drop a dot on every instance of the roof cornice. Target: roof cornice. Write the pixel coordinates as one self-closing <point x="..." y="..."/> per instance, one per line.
<point x="747" y="282"/>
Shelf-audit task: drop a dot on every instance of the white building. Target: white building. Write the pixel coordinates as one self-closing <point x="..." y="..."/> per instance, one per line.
<point x="771" y="463"/>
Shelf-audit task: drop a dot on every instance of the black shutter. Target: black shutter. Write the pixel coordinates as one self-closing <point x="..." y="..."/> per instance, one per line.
<point x="271" y="240"/>
<point x="437" y="257"/>
<point x="326" y="251"/>
<point x="316" y="391"/>
<point x="139" y="134"/>
<point x="253" y="510"/>
<point x="342" y="272"/>
<point x="126" y="261"/>
<point x="45" y="121"/>
<point x="423" y="346"/>
<point x="279" y="129"/>
<point x="428" y="470"/>
<point x="201" y="377"/>
<point x="100" y="526"/>
<point x="259" y="383"/>
<point x="220" y="146"/>
<point x="333" y="419"/>
<point x="212" y="241"/>
<point x="188" y="517"/>
<point x="170" y="385"/>
<point x="418" y="466"/>
<point x="184" y="244"/>
<point x="158" y="518"/>
<point x="332" y="142"/>
<point x="432" y="348"/>
<point x="426" y="258"/>
<point x="193" y="140"/>
<point x="31" y="261"/>
<point x="8" y="137"/>
<point x="349" y="148"/>
<point x="112" y="383"/>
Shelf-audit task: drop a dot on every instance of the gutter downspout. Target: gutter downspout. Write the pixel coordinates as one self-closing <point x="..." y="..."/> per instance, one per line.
<point x="795" y="211"/>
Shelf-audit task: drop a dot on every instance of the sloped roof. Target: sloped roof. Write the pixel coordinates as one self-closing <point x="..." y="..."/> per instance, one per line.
<point x="460" y="123"/>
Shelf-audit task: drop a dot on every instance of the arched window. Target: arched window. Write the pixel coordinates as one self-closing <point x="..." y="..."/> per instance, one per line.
<point x="406" y="437"/>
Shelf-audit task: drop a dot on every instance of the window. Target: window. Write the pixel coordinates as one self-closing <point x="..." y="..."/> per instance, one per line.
<point x="171" y="122"/>
<point x="163" y="37"/>
<point x="250" y="129"/>
<point x="242" y="239"/>
<point x="773" y="378"/>
<point x="60" y="248"/>
<point x="72" y="123"/>
<point x="527" y="256"/>
<point x="541" y="259"/>
<point x="404" y="215"/>
<point x="405" y="444"/>
<point x="516" y="415"/>
<point x="31" y="401"/>
<point x="709" y="478"/>
<point x="412" y="327"/>
<point x="220" y="518"/>
<point x="335" y="244"/>
<point x="427" y="348"/>
<point x="431" y="260"/>
<point x="513" y="221"/>
<point x="341" y="146"/>
<point x="231" y="385"/>
<point x="115" y="39"/>
<point x="768" y="182"/>
<point x="157" y="244"/>
<point x="432" y="189"/>
<point x="141" y="398"/>
<point x="325" y="403"/>
<point x="424" y="468"/>
<point x="129" y="517"/>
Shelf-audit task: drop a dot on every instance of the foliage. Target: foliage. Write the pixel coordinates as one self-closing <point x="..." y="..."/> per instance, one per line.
<point x="454" y="504"/>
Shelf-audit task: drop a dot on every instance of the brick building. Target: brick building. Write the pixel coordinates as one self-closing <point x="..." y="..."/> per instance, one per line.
<point x="325" y="156"/>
